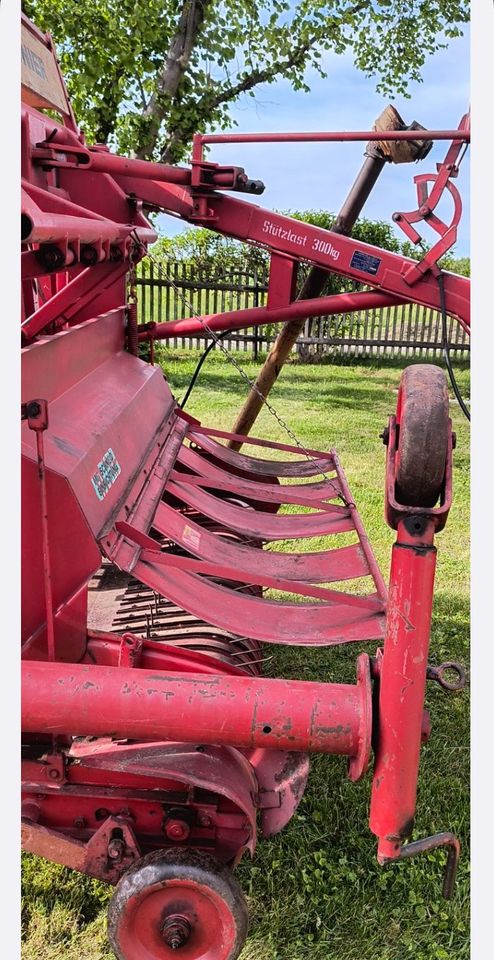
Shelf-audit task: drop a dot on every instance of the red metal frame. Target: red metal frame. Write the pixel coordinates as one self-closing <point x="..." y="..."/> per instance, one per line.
<point x="326" y="136"/>
<point x="113" y="469"/>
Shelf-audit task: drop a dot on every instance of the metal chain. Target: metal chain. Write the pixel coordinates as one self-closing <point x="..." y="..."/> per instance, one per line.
<point x="251" y="383"/>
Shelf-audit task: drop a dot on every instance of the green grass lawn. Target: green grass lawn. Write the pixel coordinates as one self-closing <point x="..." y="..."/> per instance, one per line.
<point x="316" y="891"/>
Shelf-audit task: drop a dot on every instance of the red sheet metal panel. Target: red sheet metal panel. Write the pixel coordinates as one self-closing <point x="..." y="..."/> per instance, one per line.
<point x="103" y="426"/>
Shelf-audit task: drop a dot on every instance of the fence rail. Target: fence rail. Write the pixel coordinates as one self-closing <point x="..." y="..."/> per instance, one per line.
<point x="178" y="289"/>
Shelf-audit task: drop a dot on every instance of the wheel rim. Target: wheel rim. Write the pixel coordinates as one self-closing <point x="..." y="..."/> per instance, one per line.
<point x="154" y="915"/>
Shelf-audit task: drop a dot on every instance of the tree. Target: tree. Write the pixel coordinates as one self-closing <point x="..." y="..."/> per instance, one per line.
<point x="145" y="77"/>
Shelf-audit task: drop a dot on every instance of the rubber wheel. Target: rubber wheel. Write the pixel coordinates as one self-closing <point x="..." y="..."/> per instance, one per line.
<point x="423" y="417"/>
<point x="177" y="904"/>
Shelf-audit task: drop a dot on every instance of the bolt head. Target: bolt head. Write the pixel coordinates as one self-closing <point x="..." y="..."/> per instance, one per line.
<point x="116" y="849"/>
<point x="177" y="830"/>
<point x="54" y="774"/>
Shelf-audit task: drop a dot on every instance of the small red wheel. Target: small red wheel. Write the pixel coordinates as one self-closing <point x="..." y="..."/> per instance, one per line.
<point x="423" y="417"/>
<point x="177" y="903"/>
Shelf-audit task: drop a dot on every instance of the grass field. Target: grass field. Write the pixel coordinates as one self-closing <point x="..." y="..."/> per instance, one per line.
<point x="316" y="891"/>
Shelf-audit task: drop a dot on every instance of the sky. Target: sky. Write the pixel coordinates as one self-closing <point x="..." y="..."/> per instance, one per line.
<point x="317" y="176"/>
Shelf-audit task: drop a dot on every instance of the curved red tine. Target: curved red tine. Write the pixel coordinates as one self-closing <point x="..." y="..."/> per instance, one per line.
<point x="266" y="468"/>
<point x="342" y="563"/>
<point x="314" y="624"/>
<point x="258" y="525"/>
<point x="199" y="428"/>
<point x="337" y="599"/>
<point x="209" y="475"/>
<point x="265" y="492"/>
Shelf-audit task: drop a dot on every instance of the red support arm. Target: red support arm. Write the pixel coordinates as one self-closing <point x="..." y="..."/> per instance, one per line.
<point x="402" y="680"/>
<point x="239" y="319"/>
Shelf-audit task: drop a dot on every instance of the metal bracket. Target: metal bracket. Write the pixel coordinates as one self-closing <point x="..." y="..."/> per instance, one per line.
<point x="130" y="651"/>
<point x="448" y="840"/>
<point x="36" y="414"/>
<point x="427" y="203"/>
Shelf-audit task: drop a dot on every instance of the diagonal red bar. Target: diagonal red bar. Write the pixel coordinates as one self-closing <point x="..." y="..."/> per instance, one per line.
<point x="313" y="624"/>
<point x="337" y="599"/>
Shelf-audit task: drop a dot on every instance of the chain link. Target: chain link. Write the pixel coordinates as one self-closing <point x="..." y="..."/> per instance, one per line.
<point x="251" y="383"/>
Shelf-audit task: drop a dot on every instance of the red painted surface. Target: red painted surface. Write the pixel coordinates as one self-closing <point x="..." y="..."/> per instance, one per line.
<point x="402" y="686"/>
<point x="121" y="473"/>
<point x="252" y="316"/>
<point x="236" y="711"/>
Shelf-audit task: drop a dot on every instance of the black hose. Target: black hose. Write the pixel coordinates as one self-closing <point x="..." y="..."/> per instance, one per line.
<point x="199" y="365"/>
<point x="445" y="347"/>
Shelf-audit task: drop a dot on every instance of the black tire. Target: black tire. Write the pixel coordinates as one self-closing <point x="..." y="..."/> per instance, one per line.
<point x="423" y="418"/>
<point x="177" y="888"/>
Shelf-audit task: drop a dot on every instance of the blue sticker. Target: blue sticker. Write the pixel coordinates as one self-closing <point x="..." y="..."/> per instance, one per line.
<point x="106" y="474"/>
<point x="365" y="262"/>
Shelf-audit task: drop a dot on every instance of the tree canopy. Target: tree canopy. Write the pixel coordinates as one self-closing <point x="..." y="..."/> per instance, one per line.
<point x="145" y="77"/>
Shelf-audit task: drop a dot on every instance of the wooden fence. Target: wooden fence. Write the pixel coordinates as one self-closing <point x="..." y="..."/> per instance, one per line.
<point x="177" y="290"/>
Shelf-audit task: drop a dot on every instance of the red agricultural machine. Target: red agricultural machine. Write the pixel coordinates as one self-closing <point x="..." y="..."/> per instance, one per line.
<point x="154" y="751"/>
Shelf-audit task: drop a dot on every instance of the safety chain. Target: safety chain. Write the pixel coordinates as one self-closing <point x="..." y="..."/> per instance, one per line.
<point x="251" y="383"/>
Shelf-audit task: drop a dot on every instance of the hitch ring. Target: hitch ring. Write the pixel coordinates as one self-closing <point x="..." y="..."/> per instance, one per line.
<point x="439" y="674"/>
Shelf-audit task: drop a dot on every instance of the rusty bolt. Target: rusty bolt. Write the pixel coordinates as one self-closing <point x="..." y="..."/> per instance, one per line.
<point x="204" y="820"/>
<point x="176" y="931"/>
<point x="116" y="849"/>
<point x="79" y="823"/>
<point x="176" y="829"/>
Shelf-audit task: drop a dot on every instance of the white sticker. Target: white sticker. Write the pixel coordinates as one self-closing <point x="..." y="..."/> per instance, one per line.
<point x="191" y="537"/>
<point x="106" y="474"/>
